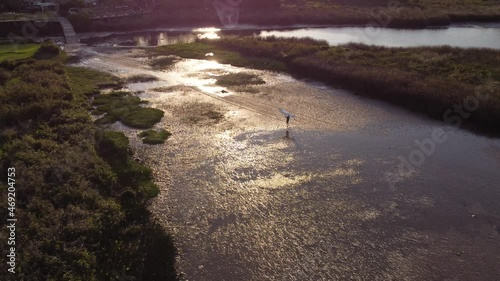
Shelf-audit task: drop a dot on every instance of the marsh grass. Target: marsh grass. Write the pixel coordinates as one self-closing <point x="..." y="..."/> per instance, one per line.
<point x="124" y="107"/>
<point x="89" y="82"/>
<point x="429" y="80"/>
<point x="239" y="79"/>
<point x="199" y="112"/>
<point x="402" y="14"/>
<point x="163" y="63"/>
<point x="272" y="47"/>
<point x="161" y="89"/>
<point x="246" y="89"/>
<point x="154" y="137"/>
<point x="141" y="78"/>
<point x="198" y="50"/>
<point x="176" y="88"/>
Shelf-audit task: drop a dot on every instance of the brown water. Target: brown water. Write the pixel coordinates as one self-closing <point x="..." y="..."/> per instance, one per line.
<point x="245" y="200"/>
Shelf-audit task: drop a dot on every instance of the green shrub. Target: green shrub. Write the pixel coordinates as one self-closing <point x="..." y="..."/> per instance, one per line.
<point x="84" y="81"/>
<point x="47" y="50"/>
<point x="154" y="137"/>
<point x="122" y="106"/>
<point x="113" y="146"/>
<point x="143" y="118"/>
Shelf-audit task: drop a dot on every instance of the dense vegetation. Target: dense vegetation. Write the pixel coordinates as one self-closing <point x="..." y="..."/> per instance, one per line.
<point x="387" y="13"/>
<point x="81" y="199"/>
<point x="426" y="79"/>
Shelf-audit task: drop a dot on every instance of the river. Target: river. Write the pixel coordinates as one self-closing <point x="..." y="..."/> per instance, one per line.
<point x="248" y="199"/>
<point x="465" y="35"/>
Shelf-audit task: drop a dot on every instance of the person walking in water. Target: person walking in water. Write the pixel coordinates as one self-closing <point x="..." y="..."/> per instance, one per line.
<point x="288" y="115"/>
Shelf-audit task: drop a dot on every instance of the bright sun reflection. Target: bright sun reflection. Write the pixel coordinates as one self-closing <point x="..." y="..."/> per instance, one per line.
<point x="210" y="35"/>
<point x="208" y="32"/>
<point x="207" y="29"/>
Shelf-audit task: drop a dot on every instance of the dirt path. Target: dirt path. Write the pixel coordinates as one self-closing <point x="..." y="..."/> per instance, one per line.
<point x="246" y="200"/>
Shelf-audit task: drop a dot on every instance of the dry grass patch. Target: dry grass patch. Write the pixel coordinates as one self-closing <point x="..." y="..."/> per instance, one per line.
<point x="141" y="78"/>
<point x="239" y="79"/>
<point x="199" y="112"/>
<point x="176" y="88"/>
<point x="163" y="63"/>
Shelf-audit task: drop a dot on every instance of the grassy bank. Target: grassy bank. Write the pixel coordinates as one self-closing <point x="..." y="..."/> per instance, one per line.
<point x="17" y="52"/>
<point x="199" y="50"/>
<point x="81" y="198"/>
<point x="431" y="80"/>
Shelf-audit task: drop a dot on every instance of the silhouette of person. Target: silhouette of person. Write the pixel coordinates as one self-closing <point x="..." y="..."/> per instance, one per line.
<point x="287" y="114"/>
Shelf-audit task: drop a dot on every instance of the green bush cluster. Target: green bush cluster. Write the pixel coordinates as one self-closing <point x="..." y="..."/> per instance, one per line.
<point x="124" y="107"/>
<point x="47" y="50"/>
<point x="86" y="82"/>
<point x="80" y="197"/>
<point x="154" y="137"/>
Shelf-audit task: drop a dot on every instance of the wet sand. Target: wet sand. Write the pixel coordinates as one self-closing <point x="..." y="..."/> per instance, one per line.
<point x="245" y="200"/>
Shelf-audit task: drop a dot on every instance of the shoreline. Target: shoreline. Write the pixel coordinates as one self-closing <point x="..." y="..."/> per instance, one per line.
<point x="395" y="15"/>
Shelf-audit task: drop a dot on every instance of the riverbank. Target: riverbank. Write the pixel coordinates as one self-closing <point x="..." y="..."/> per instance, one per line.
<point x="424" y="79"/>
<point x="82" y="200"/>
<point x="362" y="13"/>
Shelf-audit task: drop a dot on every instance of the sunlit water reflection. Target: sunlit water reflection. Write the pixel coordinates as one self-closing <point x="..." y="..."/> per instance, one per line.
<point x="247" y="199"/>
<point x="456" y="36"/>
<point x="466" y="36"/>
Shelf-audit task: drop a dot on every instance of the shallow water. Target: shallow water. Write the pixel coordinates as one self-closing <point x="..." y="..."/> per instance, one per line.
<point x="466" y="36"/>
<point x="246" y="200"/>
